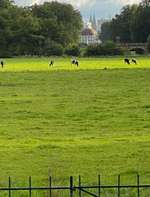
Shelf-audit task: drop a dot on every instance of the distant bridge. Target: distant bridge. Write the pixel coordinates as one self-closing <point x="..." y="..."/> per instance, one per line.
<point x="132" y="46"/>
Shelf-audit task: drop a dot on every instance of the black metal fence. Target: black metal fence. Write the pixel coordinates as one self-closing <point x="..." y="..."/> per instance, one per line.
<point x="80" y="190"/>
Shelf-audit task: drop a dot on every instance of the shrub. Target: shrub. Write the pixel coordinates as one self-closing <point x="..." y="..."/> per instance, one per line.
<point x="139" y="51"/>
<point x="148" y="43"/>
<point x="53" y="48"/>
<point x="105" y="49"/>
<point x="91" y="50"/>
<point x="73" y="50"/>
<point x="5" y="54"/>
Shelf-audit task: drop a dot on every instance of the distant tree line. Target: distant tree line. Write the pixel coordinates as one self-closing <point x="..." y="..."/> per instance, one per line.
<point x="131" y="25"/>
<point x="48" y="29"/>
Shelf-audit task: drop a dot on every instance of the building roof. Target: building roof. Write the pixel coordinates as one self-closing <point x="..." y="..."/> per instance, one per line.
<point x="88" y="32"/>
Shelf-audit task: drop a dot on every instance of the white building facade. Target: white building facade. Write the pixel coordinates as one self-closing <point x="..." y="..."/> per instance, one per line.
<point x="89" y="36"/>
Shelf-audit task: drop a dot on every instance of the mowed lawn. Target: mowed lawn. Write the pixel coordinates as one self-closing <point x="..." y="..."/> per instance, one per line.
<point x="61" y="123"/>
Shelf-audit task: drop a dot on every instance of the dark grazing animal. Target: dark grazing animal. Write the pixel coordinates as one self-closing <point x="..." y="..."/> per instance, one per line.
<point x="75" y="62"/>
<point x="127" y="61"/>
<point x="51" y="63"/>
<point x="2" y="64"/>
<point x="134" y="61"/>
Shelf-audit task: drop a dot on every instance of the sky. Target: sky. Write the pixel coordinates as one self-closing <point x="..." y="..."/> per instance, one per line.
<point x="101" y="8"/>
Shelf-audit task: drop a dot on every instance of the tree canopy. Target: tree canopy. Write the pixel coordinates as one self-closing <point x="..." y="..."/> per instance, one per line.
<point x="131" y="25"/>
<point x="36" y="30"/>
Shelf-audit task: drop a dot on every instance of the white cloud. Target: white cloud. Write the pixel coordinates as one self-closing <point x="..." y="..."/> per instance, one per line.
<point x="101" y="8"/>
<point x="80" y="3"/>
<point x="76" y="3"/>
<point x="124" y="2"/>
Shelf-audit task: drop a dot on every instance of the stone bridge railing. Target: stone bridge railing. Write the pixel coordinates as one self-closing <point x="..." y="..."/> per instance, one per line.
<point x="133" y="45"/>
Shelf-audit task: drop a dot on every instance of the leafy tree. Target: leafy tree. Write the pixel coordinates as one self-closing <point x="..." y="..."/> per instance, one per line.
<point x="52" y="48"/>
<point x="5" y="30"/>
<point x="38" y="30"/>
<point x="5" y="3"/>
<point x="145" y="3"/>
<point x="122" y="24"/>
<point x="141" y="22"/>
<point x="59" y="22"/>
<point x="148" y="43"/>
<point x="106" y="33"/>
<point x="73" y="50"/>
<point x="131" y="25"/>
<point x="24" y="38"/>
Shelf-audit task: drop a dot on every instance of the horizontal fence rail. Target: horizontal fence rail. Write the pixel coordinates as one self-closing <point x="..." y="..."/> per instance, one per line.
<point x="77" y="190"/>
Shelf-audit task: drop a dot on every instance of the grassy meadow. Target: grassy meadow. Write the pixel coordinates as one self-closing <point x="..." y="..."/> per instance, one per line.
<point x="54" y="121"/>
<point x="42" y="64"/>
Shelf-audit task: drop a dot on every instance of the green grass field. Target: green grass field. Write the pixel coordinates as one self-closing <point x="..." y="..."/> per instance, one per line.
<point x="54" y="121"/>
<point x="42" y="64"/>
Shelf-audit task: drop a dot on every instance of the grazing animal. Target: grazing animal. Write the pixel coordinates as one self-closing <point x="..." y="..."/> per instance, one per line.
<point x="75" y="62"/>
<point x="127" y="61"/>
<point x="51" y="63"/>
<point x="2" y="64"/>
<point x="134" y="61"/>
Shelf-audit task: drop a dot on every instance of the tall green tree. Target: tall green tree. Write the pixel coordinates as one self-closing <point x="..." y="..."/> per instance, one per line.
<point x="106" y="31"/>
<point x="141" y="22"/>
<point x="37" y="30"/>
<point x="148" y="43"/>
<point x="59" y="22"/>
<point x="131" y="25"/>
<point x="5" y="26"/>
<point x="6" y="3"/>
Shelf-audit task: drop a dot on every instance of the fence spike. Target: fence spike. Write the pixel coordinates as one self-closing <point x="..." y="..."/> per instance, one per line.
<point x="99" y="185"/>
<point x="50" y="185"/>
<point x="9" y="186"/>
<point x="118" y="185"/>
<point x="80" y="186"/>
<point x="71" y="186"/>
<point x="138" y="184"/>
<point x="30" y="193"/>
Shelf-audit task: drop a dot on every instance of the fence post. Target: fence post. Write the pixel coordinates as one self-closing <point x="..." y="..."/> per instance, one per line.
<point x="9" y="186"/>
<point x="50" y="185"/>
<point x="99" y="185"/>
<point x="79" y="186"/>
<point x="138" y="185"/>
<point x="118" y="185"/>
<point x="71" y="186"/>
<point x="30" y="186"/>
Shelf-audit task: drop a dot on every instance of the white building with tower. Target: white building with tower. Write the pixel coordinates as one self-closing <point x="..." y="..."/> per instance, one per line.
<point x="89" y="34"/>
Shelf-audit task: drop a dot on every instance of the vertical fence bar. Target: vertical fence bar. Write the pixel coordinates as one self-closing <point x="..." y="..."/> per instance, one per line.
<point x="71" y="186"/>
<point x="9" y="185"/>
<point x="138" y="185"/>
<point x="80" y="186"/>
<point x="99" y="185"/>
<point x="30" y="194"/>
<point x="118" y="185"/>
<point x="50" y="185"/>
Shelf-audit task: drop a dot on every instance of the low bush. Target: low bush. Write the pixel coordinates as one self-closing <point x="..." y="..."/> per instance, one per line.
<point x="72" y="50"/>
<point x="148" y="43"/>
<point x="54" y="48"/>
<point x="108" y="48"/>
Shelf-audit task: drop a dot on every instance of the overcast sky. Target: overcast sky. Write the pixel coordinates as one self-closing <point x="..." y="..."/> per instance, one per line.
<point x="101" y="8"/>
